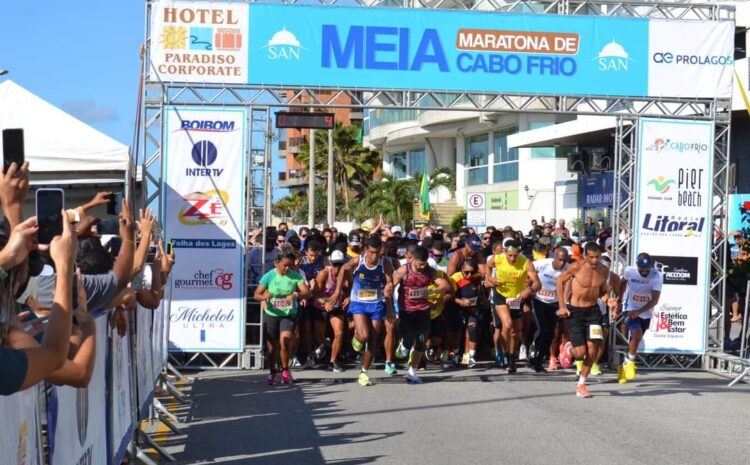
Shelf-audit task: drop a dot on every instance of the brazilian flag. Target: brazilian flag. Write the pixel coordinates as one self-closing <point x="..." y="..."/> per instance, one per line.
<point x="424" y="197"/>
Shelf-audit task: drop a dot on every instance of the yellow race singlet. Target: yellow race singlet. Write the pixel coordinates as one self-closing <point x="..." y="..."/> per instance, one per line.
<point x="512" y="278"/>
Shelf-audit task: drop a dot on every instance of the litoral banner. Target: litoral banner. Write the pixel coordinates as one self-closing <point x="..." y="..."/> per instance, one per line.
<point x="76" y="417"/>
<point x="295" y="45"/>
<point x="673" y="211"/>
<point x="204" y="195"/>
<point x="19" y="441"/>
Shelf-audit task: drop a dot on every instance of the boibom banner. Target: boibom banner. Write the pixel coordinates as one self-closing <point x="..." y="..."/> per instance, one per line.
<point x="673" y="212"/>
<point x="443" y="50"/>
<point x="204" y="195"/>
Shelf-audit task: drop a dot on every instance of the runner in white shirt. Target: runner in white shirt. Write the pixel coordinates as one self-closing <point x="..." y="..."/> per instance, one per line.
<point x="642" y="283"/>
<point x="545" y="305"/>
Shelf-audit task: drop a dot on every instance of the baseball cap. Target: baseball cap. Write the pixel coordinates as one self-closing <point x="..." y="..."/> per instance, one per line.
<point x="644" y="262"/>
<point x="474" y="242"/>
<point x="411" y="236"/>
<point x="353" y="238"/>
<point x="608" y="243"/>
<point x="367" y="225"/>
<point x="337" y="257"/>
<point x="396" y="230"/>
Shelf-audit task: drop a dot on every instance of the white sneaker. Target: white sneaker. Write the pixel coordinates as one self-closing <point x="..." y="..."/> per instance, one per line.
<point x="413" y="379"/>
<point x="523" y="353"/>
<point x="296" y="363"/>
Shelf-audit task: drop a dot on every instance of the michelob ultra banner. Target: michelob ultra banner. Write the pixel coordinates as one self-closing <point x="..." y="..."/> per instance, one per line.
<point x="673" y="214"/>
<point x="204" y="205"/>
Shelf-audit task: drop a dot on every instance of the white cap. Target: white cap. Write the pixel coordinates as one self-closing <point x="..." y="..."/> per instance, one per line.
<point x="337" y="256"/>
<point x="608" y="243"/>
<point x="396" y="229"/>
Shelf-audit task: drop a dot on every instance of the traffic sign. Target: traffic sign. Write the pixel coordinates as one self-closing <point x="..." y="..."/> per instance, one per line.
<point x="476" y="209"/>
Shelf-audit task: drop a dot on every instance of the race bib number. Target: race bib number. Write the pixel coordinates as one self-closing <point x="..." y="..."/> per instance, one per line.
<point x="546" y="294"/>
<point x="595" y="332"/>
<point x="367" y="295"/>
<point x="472" y="301"/>
<point x="641" y="298"/>
<point x="513" y="304"/>
<point x="419" y="293"/>
<point x="284" y="304"/>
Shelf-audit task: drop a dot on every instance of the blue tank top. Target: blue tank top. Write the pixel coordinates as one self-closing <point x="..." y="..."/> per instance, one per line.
<point x="368" y="284"/>
<point x="311" y="270"/>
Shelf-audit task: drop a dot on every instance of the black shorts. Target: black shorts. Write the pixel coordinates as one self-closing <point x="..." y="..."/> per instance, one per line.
<point x="273" y="326"/>
<point x="437" y="326"/>
<point x="579" y="322"/>
<point x="499" y="299"/>
<point x="453" y="318"/>
<point x="414" y="324"/>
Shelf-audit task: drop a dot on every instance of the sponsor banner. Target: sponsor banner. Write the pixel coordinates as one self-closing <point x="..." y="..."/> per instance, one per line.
<point x="673" y="214"/>
<point x="207" y="306"/>
<point x="19" y="430"/>
<point x="143" y="361"/>
<point x="475" y="51"/>
<point x="76" y="421"/>
<point x="507" y="200"/>
<point x="598" y="190"/>
<point x="686" y="55"/>
<point x="120" y="403"/>
<point x="199" y="41"/>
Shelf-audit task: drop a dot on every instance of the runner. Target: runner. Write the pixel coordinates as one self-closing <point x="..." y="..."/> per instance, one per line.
<point x="588" y="282"/>
<point x="545" y="305"/>
<point x="326" y="286"/>
<point x="508" y="274"/>
<point x="280" y="289"/>
<point x="642" y="283"/>
<point x="391" y="326"/>
<point x="607" y="305"/>
<point x="312" y="322"/>
<point x="414" y="316"/>
<point x="468" y="294"/>
<point x="371" y="282"/>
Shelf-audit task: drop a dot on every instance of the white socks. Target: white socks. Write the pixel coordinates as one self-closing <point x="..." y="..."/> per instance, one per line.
<point x="472" y="352"/>
<point x="581" y="380"/>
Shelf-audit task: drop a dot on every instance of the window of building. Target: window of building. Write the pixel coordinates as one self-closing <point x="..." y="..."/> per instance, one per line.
<point x="416" y="162"/>
<point x="476" y="163"/>
<point x="398" y="165"/>
<point x="505" y="167"/>
<point x="407" y="164"/>
<point x="542" y="152"/>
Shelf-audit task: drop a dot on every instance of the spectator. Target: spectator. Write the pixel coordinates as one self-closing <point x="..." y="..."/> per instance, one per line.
<point x="561" y="230"/>
<point x="590" y="230"/>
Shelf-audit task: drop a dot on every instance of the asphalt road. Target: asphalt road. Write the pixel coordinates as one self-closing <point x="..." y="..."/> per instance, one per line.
<point x="471" y="417"/>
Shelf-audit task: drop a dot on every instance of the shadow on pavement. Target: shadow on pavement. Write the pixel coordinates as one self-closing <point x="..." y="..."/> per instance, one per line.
<point x="241" y="420"/>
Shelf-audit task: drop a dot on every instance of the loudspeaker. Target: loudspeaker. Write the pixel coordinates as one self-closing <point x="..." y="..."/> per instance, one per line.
<point x="578" y="162"/>
<point x="601" y="160"/>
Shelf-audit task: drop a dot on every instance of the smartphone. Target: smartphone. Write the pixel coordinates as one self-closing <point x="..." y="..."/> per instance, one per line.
<point x="108" y="226"/>
<point x="152" y="250"/>
<point x="13" y="148"/>
<point x="115" y="204"/>
<point x="169" y="248"/>
<point x="49" y="206"/>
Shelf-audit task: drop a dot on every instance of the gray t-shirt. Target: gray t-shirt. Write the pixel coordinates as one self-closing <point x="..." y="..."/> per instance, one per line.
<point x="101" y="289"/>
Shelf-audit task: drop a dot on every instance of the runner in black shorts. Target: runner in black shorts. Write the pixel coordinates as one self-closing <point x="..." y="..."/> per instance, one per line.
<point x="588" y="282"/>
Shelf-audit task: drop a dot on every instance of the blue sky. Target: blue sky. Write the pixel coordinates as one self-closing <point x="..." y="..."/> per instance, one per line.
<point x="79" y="55"/>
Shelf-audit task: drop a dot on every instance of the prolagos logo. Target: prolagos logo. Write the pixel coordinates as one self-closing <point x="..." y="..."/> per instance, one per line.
<point x="82" y="414"/>
<point x="660" y="145"/>
<point x="204" y="154"/>
<point x="613" y="58"/>
<point x="661" y="184"/>
<point x="205" y="208"/>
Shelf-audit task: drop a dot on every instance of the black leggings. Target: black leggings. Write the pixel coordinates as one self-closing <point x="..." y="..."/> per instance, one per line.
<point x="414" y="328"/>
<point x="545" y="317"/>
<point x="273" y="326"/>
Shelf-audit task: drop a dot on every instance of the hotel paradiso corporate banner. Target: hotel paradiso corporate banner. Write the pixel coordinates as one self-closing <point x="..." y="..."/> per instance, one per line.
<point x="673" y="210"/>
<point x="204" y="204"/>
<point x="297" y="45"/>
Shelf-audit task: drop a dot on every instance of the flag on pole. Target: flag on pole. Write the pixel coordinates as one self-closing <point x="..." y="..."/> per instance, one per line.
<point x="360" y="134"/>
<point x="424" y="197"/>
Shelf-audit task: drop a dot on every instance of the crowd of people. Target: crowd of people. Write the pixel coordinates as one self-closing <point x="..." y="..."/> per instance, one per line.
<point x="48" y="291"/>
<point x="545" y="299"/>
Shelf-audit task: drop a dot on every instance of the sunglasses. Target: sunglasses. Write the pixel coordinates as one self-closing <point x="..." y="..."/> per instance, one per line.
<point x="303" y="236"/>
<point x="281" y="242"/>
<point x="437" y="256"/>
<point x="486" y="238"/>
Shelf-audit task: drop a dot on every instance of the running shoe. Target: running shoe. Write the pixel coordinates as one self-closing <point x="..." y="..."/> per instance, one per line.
<point x="335" y="367"/>
<point x="565" y="356"/>
<point x="500" y="360"/>
<point x="390" y="368"/>
<point x="579" y="367"/>
<point x="582" y="391"/>
<point x="621" y="375"/>
<point x="431" y="355"/>
<point x="320" y="351"/>
<point x="408" y="362"/>
<point x="629" y="370"/>
<point x="511" y="365"/>
<point x="296" y="363"/>
<point x="538" y="365"/>
<point x="465" y="359"/>
<point x="471" y="363"/>
<point x="456" y="359"/>
<point x="401" y="350"/>
<point x="523" y="353"/>
<point x="596" y="370"/>
<point x="413" y="379"/>
<point x="271" y="379"/>
<point x="364" y="379"/>
<point x="309" y="363"/>
<point x="422" y="363"/>
<point x="357" y="345"/>
<point x="286" y="377"/>
<point x="552" y="364"/>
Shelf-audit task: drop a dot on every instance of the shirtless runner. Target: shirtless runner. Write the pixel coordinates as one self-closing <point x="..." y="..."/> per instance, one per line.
<point x="588" y="281"/>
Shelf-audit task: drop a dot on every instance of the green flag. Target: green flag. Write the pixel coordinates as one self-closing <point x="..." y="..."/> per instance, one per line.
<point x="361" y="134"/>
<point x="424" y="195"/>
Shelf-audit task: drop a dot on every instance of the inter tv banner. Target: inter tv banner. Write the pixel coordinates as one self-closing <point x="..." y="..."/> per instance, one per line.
<point x="204" y="205"/>
<point x="673" y="211"/>
<point x="453" y="51"/>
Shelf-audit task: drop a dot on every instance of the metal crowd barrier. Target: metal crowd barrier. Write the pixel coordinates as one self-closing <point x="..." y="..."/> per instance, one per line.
<point x="99" y="424"/>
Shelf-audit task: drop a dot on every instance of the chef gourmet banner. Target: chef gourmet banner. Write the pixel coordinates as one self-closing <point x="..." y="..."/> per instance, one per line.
<point x="204" y="204"/>
<point x="453" y="51"/>
<point x="673" y="214"/>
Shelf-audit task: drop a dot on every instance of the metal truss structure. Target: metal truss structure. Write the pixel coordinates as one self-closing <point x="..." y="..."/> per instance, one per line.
<point x="259" y="100"/>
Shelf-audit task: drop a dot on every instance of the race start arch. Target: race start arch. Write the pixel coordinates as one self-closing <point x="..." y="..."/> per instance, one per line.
<point x="214" y="70"/>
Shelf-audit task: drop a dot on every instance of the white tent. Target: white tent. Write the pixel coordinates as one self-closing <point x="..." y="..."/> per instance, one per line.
<point x="60" y="149"/>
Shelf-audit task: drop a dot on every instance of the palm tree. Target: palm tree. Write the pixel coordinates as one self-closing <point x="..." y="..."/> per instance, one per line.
<point x="440" y="177"/>
<point x="290" y="205"/>
<point x="391" y="197"/>
<point x="354" y="166"/>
